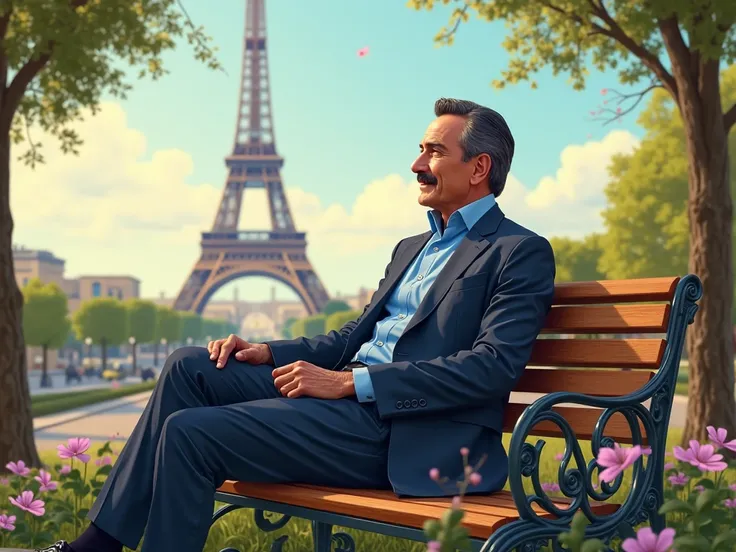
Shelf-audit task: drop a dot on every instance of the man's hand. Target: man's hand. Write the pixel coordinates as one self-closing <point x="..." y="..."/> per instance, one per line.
<point x="252" y="353"/>
<point x="302" y="379"/>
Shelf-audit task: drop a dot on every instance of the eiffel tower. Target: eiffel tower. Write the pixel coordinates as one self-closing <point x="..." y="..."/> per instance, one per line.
<point x="227" y="252"/>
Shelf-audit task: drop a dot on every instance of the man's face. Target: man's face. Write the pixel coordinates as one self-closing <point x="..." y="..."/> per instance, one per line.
<point x="444" y="179"/>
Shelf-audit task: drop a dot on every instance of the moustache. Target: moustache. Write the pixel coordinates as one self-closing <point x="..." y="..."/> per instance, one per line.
<point x="426" y="178"/>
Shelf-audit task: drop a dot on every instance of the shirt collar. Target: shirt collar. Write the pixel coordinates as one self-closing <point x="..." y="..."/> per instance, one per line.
<point x="468" y="215"/>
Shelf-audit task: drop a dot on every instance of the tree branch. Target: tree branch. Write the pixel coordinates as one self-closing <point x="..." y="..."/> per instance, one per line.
<point x="619" y="112"/>
<point x="729" y="118"/>
<point x="4" y="22"/>
<point x="647" y="58"/>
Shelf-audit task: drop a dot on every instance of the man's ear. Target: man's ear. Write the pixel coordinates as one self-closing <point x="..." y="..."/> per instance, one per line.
<point x="481" y="169"/>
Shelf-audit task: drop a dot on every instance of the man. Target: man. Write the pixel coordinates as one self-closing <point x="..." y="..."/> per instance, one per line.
<point x="425" y="370"/>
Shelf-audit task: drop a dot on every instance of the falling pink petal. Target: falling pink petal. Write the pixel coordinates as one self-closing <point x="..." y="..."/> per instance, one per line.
<point x="363" y="51"/>
<point x="718" y="438"/>
<point x="604" y="91"/>
<point x="618" y="110"/>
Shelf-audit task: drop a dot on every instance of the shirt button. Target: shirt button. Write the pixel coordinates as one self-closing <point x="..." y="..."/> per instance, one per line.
<point x="379" y="343"/>
<point x="435" y="248"/>
<point x="420" y="277"/>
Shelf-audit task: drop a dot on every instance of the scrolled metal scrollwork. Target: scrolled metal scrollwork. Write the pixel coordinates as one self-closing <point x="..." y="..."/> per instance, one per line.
<point x="266" y="525"/>
<point x="343" y="542"/>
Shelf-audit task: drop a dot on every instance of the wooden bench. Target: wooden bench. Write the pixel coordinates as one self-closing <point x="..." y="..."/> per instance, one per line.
<point x="613" y="383"/>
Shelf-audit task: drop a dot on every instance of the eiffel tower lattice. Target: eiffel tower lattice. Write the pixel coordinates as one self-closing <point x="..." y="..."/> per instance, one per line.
<point x="227" y="252"/>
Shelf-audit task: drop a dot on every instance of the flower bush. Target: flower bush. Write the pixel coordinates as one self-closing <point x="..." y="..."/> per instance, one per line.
<point x="42" y="502"/>
<point x="699" y="505"/>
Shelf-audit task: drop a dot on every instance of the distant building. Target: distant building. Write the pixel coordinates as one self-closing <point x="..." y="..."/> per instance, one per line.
<point x="47" y="267"/>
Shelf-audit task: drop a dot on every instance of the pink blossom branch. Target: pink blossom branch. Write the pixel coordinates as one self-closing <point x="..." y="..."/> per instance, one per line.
<point x="609" y="115"/>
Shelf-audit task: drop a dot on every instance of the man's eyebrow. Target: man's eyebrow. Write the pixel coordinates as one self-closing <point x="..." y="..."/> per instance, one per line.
<point x="433" y="145"/>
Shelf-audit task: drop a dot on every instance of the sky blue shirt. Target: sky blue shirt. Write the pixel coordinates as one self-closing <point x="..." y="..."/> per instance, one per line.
<point x="413" y="286"/>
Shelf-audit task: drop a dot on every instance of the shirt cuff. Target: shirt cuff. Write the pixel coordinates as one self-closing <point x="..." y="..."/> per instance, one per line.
<point x="363" y="385"/>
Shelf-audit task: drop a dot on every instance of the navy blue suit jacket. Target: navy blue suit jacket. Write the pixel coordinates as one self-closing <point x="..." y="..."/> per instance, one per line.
<point x="458" y="359"/>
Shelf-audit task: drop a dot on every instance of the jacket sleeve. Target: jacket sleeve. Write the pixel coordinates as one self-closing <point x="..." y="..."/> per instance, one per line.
<point x="490" y="370"/>
<point x="321" y="350"/>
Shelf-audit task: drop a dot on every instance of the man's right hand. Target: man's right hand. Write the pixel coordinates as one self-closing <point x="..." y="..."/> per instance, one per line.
<point x="252" y="353"/>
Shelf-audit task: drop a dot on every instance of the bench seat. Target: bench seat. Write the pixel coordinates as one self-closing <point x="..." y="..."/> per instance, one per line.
<point x="484" y="514"/>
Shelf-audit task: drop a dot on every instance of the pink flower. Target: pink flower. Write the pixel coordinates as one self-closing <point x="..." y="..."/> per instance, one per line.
<point x="678" y="480"/>
<point x="646" y="451"/>
<point x="604" y="91"/>
<point x="434" y="546"/>
<point x="718" y="438"/>
<point x="18" y="468"/>
<point x="44" y="478"/>
<point x="65" y="469"/>
<point x="550" y="487"/>
<point x="464" y="451"/>
<point x="363" y="51"/>
<point x="4" y="481"/>
<point x="730" y="503"/>
<point x="702" y="457"/>
<point x="104" y="461"/>
<point x="669" y="466"/>
<point x="26" y="502"/>
<point x="75" y="448"/>
<point x="457" y="502"/>
<point x="647" y="541"/>
<point x="616" y="460"/>
<point x="698" y="488"/>
<point x="559" y="456"/>
<point x="7" y="522"/>
<point x="475" y="478"/>
<point x="115" y="384"/>
<point x="732" y="487"/>
<point x="434" y="474"/>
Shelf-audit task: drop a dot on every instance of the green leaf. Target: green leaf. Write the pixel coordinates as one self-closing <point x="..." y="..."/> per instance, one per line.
<point x="706" y="483"/>
<point x="705" y="500"/>
<point x="104" y="470"/>
<point x="724" y="540"/>
<point x="593" y="545"/>
<point x="432" y="528"/>
<point x="676" y="505"/>
<point x="452" y="517"/>
<point x="691" y="543"/>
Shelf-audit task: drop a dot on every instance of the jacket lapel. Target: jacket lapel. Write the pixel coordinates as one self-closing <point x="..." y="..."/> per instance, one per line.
<point x="404" y="257"/>
<point x="475" y="242"/>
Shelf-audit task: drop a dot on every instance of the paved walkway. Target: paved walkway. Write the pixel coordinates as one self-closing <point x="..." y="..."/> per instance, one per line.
<point x="101" y="421"/>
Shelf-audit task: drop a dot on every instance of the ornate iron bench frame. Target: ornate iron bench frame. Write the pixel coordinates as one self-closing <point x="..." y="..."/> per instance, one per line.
<point x="531" y="531"/>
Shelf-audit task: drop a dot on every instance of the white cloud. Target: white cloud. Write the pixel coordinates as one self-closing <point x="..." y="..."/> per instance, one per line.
<point x="118" y="209"/>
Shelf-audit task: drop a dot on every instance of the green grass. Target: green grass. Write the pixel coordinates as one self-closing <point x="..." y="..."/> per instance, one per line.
<point x="238" y="529"/>
<point x="53" y="403"/>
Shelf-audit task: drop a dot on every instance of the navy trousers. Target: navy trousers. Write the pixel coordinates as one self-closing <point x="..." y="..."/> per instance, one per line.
<point x="203" y="426"/>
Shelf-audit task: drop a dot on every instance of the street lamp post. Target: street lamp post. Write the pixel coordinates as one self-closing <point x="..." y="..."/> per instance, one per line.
<point x="88" y="343"/>
<point x="131" y="340"/>
<point x="165" y="343"/>
<point x="190" y="341"/>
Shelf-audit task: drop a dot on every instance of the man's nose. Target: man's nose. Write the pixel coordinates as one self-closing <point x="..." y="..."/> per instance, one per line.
<point x="420" y="164"/>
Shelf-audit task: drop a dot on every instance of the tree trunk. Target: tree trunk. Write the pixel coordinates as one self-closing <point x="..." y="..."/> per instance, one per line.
<point x="710" y="211"/>
<point x="16" y="420"/>
<point x="155" y="355"/>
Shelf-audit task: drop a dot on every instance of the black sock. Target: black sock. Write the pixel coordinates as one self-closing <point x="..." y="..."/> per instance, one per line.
<point x="95" y="539"/>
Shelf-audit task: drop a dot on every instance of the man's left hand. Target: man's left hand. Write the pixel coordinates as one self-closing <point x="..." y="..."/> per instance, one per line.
<point x="303" y="379"/>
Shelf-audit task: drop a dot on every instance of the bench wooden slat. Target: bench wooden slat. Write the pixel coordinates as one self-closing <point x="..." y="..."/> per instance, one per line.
<point x="603" y="383"/>
<point x="616" y="291"/>
<point x="581" y="419"/>
<point x="385" y="506"/>
<point x="608" y="319"/>
<point x="601" y="353"/>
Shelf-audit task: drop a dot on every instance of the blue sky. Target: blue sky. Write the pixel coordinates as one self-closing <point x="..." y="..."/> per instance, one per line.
<point x="344" y="125"/>
<point x="341" y="120"/>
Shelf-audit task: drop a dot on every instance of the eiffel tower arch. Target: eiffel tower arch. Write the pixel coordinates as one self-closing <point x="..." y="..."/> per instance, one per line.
<point x="228" y="253"/>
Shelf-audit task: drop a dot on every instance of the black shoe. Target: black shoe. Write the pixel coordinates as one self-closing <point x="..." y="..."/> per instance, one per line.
<point x="59" y="546"/>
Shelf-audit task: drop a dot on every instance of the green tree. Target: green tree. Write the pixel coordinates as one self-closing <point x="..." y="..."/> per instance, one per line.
<point x="337" y="320"/>
<point x="335" y="305"/>
<point x="58" y="58"/>
<point x="298" y="328"/>
<point x="577" y="260"/>
<point x="141" y="319"/>
<point x="45" y="320"/>
<point x="314" y="325"/>
<point x="287" y="327"/>
<point x="168" y="329"/>
<point x="105" y="320"/>
<point x="680" y="48"/>
<point x="191" y="326"/>
<point x="213" y="328"/>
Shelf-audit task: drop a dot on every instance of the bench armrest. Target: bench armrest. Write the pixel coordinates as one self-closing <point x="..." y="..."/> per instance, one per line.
<point x="575" y="472"/>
